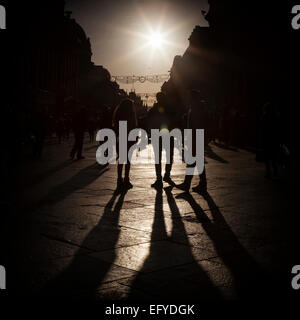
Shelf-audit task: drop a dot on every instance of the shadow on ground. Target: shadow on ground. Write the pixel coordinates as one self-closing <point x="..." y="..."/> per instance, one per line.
<point x="83" y="276"/>
<point x="80" y="180"/>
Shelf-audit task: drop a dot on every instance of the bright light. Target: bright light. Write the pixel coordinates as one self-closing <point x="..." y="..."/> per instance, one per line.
<point x="156" y="39"/>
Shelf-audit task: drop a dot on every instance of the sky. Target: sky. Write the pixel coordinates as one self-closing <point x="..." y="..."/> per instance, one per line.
<point x="138" y="37"/>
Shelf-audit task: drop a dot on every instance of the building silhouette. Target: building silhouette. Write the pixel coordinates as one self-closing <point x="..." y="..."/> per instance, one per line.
<point x="52" y="62"/>
<point x="235" y="62"/>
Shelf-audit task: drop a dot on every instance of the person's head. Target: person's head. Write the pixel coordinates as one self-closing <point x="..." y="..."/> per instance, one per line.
<point x="126" y="107"/>
<point x="124" y="111"/>
<point x="161" y="98"/>
<point x="82" y="110"/>
<point x="196" y="98"/>
<point x="267" y="108"/>
<point x="132" y="95"/>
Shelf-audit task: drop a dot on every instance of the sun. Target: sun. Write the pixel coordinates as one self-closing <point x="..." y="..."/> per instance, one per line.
<point x="156" y="39"/>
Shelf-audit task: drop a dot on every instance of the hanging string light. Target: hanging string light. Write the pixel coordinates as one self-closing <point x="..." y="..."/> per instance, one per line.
<point x="157" y="78"/>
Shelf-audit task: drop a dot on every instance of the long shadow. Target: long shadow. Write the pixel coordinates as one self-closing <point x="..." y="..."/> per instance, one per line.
<point x="209" y="153"/>
<point x="83" y="276"/>
<point x="170" y="270"/>
<point x="226" y="147"/>
<point x="44" y="175"/>
<point x="248" y="278"/>
<point x="94" y="146"/>
<point x="83" y="178"/>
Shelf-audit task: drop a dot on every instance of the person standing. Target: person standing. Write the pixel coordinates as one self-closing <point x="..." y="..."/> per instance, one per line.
<point x="125" y="111"/>
<point x="197" y="118"/>
<point x="270" y="139"/>
<point x="159" y="117"/>
<point x="91" y="129"/>
<point x="39" y="128"/>
<point x="79" y="126"/>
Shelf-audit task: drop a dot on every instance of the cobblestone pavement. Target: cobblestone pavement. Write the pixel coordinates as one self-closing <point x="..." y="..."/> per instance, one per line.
<point x="83" y="240"/>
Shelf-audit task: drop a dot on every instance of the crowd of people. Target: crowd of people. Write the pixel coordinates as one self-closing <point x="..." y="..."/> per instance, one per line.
<point x="39" y="125"/>
<point x="224" y="127"/>
<point x="198" y="115"/>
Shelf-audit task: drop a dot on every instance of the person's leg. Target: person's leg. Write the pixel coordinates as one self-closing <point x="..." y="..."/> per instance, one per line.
<point x="268" y="168"/>
<point x="158" y="165"/>
<point x="202" y="186"/>
<point x="127" y="183"/>
<point x="120" y="169"/>
<point x="158" y="183"/>
<point x="80" y="146"/>
<point x="42" y="141"/>
<point x="39" y="144"/>
<point x="120" y="179"/>
<point x="127" y="170"/>
<point x="267" y="164"/>
<point x="275" y="167"/>
<point x="75" y="146"/>
<point x="186" y="184"/>
<point x="158" y="171"/>
<point x="203" y="180"/>
<point x="168" y="167"/>
<point x="274" y="162"/>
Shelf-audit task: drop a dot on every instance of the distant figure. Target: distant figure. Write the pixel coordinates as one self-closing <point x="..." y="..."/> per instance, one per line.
<point x="160" y="117"/>
<point x="59" y="128"/>
<point x="79" y="126"/>
<point x="107" y="118"/>
<point x="67" y="126"/>
<point x="270" y="138"/>
<point x="238" y="130"/>
<point x="39" y="127"/>
<point x="197" y="118"/>
<point x="91" y="129"/>
<point x="124" y="112"/>
<point x="228" y="114"/>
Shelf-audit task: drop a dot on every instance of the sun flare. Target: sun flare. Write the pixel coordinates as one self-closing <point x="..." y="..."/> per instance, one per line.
<point x="156" y="39"/>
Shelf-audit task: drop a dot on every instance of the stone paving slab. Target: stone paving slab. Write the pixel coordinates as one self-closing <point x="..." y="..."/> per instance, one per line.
<point x="147" y="244"/>
<point x="152" y="256"/>
<point x="203" y="280"/>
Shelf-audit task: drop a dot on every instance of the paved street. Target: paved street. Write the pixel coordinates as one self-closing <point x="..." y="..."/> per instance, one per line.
<point x="83" y="240"/>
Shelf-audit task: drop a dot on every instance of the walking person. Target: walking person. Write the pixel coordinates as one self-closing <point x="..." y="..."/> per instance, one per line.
<point x="39" y="129"/>
<point x="125" y="111"/>
<point x="159" y="118"/>
<point x="59" y="129"/>
<point x="197" y="118"/>
<point x="92" y="129"/>
<point x="79" y="126"/>
<point x="270" y="139"/>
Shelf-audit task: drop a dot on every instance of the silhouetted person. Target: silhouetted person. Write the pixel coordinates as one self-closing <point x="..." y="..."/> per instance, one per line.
<point x="159" y="117"/>
<point x="39" y="125"/>
<point x="227" y="124"/>
<point x="59" y="129"/>
<point x="107" y="118"/>
<point x="197" y="118"/>
<point x="79" y="125"/>
<point x="239" y="130"/>
<point x="99" y="122"/>
<point x="67" y="126"/>
<point x="124" y="112"/>
<point x="91" y="129"/>
<point x="270" y="138"/>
